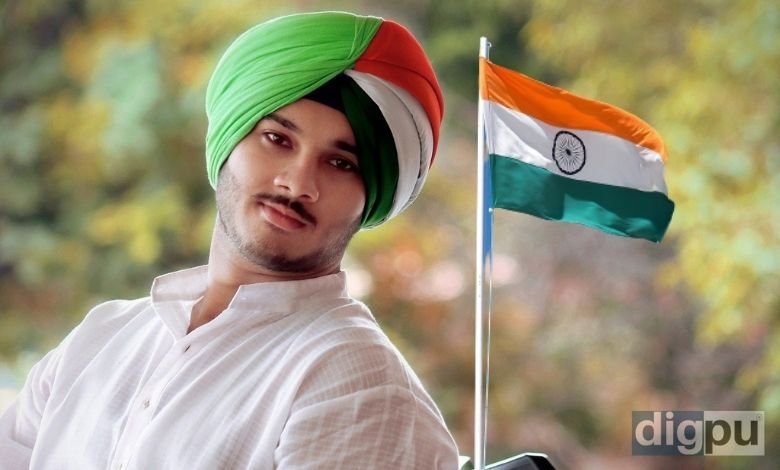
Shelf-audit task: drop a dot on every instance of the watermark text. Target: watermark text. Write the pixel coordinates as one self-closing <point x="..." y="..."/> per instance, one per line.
<point x="697" y="433"/>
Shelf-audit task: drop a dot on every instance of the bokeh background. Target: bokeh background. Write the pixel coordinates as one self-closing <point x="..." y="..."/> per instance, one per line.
<point x="102" y="187"/>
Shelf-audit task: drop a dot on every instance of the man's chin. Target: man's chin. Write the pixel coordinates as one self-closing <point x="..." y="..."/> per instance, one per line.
<point x="279" y="260"/>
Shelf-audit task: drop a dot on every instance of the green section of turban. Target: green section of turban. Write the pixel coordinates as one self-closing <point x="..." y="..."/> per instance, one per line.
<point x="378" y="158"/>
<point x="376" y="152"/>
<point x="274" y="64"/>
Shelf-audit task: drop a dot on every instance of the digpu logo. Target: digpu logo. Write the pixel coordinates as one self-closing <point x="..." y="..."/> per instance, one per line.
<point x="697" y="433"/>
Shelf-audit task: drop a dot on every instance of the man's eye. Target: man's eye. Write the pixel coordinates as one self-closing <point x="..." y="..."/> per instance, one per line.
<point x="274" y="138"/>
<point x="343" y="164"/>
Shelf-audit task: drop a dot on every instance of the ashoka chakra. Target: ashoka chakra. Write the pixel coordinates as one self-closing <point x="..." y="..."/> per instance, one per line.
<point x="568" y="152"/>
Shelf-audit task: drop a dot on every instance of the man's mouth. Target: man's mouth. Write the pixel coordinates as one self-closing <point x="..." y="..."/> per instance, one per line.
<point x="284" y="214"/>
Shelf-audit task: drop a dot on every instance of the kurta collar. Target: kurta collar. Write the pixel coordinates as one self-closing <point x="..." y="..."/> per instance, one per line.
<point x="174" y="294"/>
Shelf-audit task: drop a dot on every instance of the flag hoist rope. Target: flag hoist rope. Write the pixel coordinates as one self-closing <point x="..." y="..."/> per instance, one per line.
<point x="483" y="265"/>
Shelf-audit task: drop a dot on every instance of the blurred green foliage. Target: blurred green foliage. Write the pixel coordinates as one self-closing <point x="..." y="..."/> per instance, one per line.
<point x="103" y="187"/>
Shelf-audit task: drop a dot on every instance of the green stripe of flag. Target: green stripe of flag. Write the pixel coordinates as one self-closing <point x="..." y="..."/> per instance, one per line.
<point x="521" y="187"/>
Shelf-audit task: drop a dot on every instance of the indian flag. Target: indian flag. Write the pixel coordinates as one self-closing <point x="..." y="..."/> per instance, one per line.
<point x="562" y="157"/>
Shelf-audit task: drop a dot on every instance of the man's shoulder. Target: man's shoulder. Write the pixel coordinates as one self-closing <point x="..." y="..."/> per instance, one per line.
<point x="110" y="311"/>
<point x="349" y="341"/>
<point x="102" y="323"/>
<point x="349" y="325"/>
<point x="107" y="318"/>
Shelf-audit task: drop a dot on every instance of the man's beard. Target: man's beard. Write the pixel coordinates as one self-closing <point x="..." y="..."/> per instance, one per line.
<point x="262" y="252"/>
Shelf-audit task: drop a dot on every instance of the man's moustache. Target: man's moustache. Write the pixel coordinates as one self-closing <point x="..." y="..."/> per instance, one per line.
<point x="293" y="205"/>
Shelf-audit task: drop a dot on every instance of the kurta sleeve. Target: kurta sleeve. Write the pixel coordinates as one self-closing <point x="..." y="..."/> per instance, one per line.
<point x="19" y="424"/>
<point x="360" y="406"/>
<point x="385" y="428"/>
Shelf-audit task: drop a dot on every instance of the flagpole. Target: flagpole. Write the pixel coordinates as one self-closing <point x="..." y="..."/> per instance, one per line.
<point x="483" y="258"/>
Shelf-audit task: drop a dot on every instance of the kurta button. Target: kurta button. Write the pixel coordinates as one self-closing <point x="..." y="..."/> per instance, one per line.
<point x="146" y="403"/>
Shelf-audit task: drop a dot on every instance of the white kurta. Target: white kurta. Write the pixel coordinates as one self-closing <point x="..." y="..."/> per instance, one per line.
<point x="293" y="375"/>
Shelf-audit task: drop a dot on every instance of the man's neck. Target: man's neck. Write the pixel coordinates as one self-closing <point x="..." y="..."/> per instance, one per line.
<point x="227" y="271"/>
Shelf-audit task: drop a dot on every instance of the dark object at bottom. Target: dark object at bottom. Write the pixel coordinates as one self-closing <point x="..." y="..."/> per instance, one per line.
<point x="527" y="461"/>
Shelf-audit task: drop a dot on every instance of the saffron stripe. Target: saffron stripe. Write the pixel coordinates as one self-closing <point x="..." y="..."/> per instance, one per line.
<point x="560" y="108"/>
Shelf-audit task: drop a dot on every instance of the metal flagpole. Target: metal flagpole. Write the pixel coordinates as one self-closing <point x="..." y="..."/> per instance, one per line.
<point x="483" y="258"/>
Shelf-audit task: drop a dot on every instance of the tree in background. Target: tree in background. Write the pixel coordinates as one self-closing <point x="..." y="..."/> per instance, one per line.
<point x="706" y="74"/>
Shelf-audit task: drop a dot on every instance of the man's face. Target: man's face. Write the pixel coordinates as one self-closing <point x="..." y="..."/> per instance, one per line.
<point x="290" y="196"/>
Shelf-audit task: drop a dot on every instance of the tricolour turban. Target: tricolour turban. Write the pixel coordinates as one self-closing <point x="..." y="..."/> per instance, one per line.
<point x="285" y="59"/>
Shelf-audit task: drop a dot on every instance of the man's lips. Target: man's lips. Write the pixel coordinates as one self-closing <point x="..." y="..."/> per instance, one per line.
<point x="282" y="216"/>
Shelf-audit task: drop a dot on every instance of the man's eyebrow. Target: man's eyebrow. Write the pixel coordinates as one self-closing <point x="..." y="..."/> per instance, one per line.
<point x="283" y="121"/>
<point x="347" y="147"/>
<point x="338" y="143"/>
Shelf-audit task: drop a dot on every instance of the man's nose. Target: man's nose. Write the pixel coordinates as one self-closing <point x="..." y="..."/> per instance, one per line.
<point x="298" y="179"/>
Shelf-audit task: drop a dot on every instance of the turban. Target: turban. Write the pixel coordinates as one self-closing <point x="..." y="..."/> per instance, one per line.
<point x="388" y="90"/>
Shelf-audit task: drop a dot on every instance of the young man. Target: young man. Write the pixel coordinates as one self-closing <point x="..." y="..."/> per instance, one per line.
<point x="319" y="124"/>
